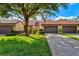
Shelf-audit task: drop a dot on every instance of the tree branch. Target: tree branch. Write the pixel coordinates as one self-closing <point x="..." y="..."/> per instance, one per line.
<point x="34" y="10"/>
<point x="18" y="16"/>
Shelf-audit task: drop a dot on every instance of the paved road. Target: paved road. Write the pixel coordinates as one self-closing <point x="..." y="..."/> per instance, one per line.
<point x="62" y="46"/>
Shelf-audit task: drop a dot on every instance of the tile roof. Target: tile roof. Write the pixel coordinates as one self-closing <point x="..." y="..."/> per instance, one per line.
<point x="9" y="21"/>
<point x="63" y="22"/>
<point x="34" y="23"/>
<point x="31" y="23"/>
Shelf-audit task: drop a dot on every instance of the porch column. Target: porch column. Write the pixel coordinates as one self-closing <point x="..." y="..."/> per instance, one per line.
<point x="77" y="29"/>
<point x="59" y="29"/>
<point x="14" y="28"/>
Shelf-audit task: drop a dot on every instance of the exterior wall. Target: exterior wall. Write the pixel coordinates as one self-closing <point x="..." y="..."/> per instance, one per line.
<point x="41" y="27"/>
<point x="18" y="27"/>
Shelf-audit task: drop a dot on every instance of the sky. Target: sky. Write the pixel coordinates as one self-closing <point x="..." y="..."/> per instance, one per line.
<point x="69" y="13"/>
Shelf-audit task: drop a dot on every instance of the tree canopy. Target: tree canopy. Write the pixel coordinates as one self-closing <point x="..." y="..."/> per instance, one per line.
<point x="32" y="9"/>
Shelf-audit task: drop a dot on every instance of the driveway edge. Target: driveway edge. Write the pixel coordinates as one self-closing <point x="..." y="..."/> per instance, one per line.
<point x="51" y="49"/>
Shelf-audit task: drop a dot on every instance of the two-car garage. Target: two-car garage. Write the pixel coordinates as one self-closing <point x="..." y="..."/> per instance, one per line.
<point x="54" y="29"/>
<point x="61" y="26"/>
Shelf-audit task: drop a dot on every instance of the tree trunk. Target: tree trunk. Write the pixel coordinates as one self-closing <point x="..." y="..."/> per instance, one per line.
<point x="26" y="25"/>
<point x="26" y="17"/>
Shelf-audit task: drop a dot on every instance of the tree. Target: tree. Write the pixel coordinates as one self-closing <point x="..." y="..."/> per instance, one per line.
<point x="25" y="11"/>
<point x="45" y="15"/>
<point x="76" y="18"/>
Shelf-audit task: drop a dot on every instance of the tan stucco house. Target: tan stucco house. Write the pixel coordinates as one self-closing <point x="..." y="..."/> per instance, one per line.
<point x="61" y="26"/>
<point x="7" y="26"/>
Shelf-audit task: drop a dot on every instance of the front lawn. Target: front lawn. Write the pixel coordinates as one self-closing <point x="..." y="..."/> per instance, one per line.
<point x="71" y="36"/>
<point x="34" y="45"/>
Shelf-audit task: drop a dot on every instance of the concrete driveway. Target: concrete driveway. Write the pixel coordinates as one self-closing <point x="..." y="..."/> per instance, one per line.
<point x="62" y="46"/>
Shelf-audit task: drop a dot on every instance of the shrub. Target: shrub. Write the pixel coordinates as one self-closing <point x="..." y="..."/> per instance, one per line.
<point x="61" y="30"/>
<point x="78" y="31"/>
<point x="41" y="31"/>
<point x="29" y="30"/>
<point x="34" y="31"/>
<point x="15" y="32"/>
<point x="11" y="34"/>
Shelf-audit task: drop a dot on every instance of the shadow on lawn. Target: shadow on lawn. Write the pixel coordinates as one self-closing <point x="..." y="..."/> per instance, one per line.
<point x="15" y="47"/>
<point x="34" y="38"/>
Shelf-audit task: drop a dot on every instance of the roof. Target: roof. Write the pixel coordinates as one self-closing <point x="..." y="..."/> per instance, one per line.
<point x="31" y="23"/>
<point x="14" y="21"/>
<point x="9" y="21"/>
<point x="34" y="23"/>
<point x="60" y="22"/>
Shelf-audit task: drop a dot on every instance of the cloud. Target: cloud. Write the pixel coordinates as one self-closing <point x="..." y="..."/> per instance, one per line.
<point x="62" y="17"/>
<point x="72" y="3"/>
<point x="39" y="18"/>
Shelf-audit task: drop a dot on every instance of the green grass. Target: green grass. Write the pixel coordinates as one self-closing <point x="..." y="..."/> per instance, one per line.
<point x="71" y="36"/>
<point x="34" y="45"/>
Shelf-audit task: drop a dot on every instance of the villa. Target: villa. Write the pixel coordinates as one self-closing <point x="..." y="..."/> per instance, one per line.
<point x="61" y="26"/>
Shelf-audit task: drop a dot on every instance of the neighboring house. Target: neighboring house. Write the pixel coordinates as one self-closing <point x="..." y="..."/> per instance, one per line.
<point x="35" y="24"/>
<point x="7" y="26"/>
<point x="61" y="26"/>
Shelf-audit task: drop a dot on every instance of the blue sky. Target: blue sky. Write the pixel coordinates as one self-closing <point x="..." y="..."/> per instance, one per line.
<point x="72" y="10"/>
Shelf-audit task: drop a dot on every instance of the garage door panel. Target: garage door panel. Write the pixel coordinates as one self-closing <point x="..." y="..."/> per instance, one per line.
<point x="5" y="29"/>
<point x="50" y="29"/>
<point x="69" y="29"/>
